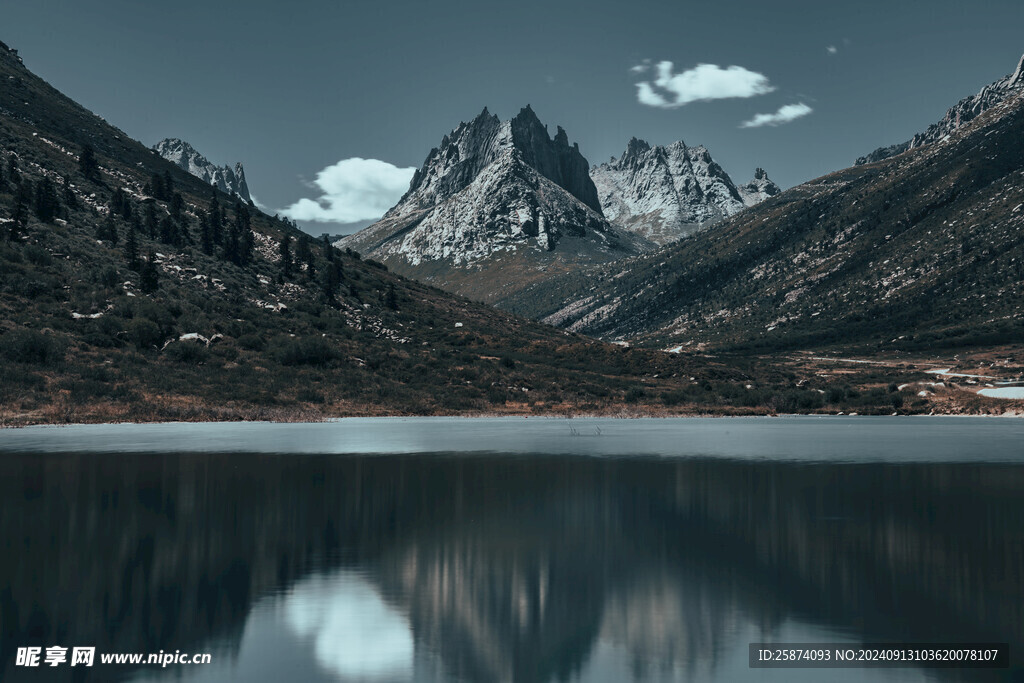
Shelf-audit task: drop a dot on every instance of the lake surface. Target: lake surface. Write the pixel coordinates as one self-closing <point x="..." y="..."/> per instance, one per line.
<point x="442" y="550"/>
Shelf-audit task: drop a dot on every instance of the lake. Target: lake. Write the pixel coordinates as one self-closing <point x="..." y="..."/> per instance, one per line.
<point x="444" y="549"/>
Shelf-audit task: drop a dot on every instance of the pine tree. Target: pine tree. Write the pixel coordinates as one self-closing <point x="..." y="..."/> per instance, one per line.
<point x="108" y="230"/>
<point x="46" y="203"/>
<point x="177" y="207"/>
<point x="390" y="298"/>
<point x="216" y="221"/>
<point x="87" y="164"/>
<point x="131" y="248"/>
<point x="168" y="186"/>
<point x="152" y="225"/>
<point x="205" y="234"/>
<point x="328" y="249"/>
<point x="168" y="231"/>
<point x="149" y="277"/>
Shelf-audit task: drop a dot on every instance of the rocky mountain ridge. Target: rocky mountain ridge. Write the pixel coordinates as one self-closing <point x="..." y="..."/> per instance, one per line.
<point x="961" y="113"/>
<point x="664" y="193"/>
<point x="924" y="250"/>
<point x="498" y="198"/>
<point x="185" y="156"/>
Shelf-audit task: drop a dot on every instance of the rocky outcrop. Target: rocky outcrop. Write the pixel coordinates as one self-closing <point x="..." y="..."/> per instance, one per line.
<point x="963" y="111"/>
<point x="224" y="178"/>
<point x="758" y="189"/>
<point x="664" y="193"/>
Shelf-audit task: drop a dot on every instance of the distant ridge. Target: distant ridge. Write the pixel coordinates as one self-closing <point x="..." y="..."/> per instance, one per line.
<point x="224" y="178"/>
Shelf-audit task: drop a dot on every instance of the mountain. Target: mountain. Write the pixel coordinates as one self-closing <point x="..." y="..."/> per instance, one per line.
<point x="964" y="111"/>
<point x="915" y="253"/>
<point x="664" y="193"/>
<point x="497" y="205"/>
<point x="224" y="178"/>
<point x="169" y="304"/>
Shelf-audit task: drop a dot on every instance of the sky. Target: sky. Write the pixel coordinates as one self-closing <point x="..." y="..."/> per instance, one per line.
<point x="330" y="105"/>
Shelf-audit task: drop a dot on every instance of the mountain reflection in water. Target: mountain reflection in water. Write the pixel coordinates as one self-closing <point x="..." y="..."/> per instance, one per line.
<point x="497" y="568"/>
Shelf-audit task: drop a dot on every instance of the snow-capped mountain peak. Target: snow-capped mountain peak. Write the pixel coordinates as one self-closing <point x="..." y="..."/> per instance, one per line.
<point x="225" y="178"/>
<point x="666" y="192"/>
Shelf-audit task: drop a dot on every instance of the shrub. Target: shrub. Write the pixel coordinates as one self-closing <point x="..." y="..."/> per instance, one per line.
<point x="190" y="352"/>
<point x="634" y="394"/>
<point x="303" y="351"/>
<point x="252" y="342"/>
<point x="144" y="333"/>
<point x="30" y="346"/>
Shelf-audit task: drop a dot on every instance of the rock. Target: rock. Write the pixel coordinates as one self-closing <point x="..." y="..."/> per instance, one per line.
<point x="963" y="111"/>
<point x="224" y="178"/>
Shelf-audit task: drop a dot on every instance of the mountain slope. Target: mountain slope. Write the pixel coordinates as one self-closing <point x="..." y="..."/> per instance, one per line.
<point x="224" y="178"/>
<point x="496" y="206"/>
<point x="961" y="113"/>
<point x="133" y="290"/>
<point x="664" y="193"/>
<point x="917" y="252"/>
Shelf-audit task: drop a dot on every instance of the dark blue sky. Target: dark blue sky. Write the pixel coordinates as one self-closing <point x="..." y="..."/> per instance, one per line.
<point x="292" y="88"/>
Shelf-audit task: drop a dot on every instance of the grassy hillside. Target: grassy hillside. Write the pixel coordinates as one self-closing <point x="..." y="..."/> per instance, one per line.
<point x="918" y="253"/>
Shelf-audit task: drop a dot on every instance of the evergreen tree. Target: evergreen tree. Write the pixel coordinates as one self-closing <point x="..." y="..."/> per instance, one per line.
<point x="168" y="231"/>
<point x="390" y="298"/>
<point x="149" y="277"/>
<point x="131" y="248"/>
<point x="108" y="230"/>
<point x="87" y="164"/>
<point x="216" y="221"/>
<point x="328" y="249"/>
<point x="168" y="186"/>
<point x="13" y="174"/>
<point x="152" y="225"/>
<point x="46" y="203"/>
<point x="177" y="207"/>
<point x="155" y="187"/>
<point x="205" y="234"/>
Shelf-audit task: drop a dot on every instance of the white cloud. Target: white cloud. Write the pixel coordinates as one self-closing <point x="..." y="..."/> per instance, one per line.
<point x="785" y="114"/>
<point x="353" y="190"/>
<point x="642" y="67"/>
<point x="831" y="49"/>
<point x="702" y="82"/>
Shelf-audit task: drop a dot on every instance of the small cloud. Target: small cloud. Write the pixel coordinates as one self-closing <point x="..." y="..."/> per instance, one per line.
<point x="785" y="114"/>
<point x="831" y="49"/>
<point x="702" y="82"/>
<point x="641" y="68"/>
<point x="353" y="190"/>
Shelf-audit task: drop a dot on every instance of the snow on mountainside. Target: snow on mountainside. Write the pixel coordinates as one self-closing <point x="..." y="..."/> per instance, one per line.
<point x="223" y="178"/>
<point x="664" y="193"/>
<point x="963" y="111"/>
<point x="494" y="191"/>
